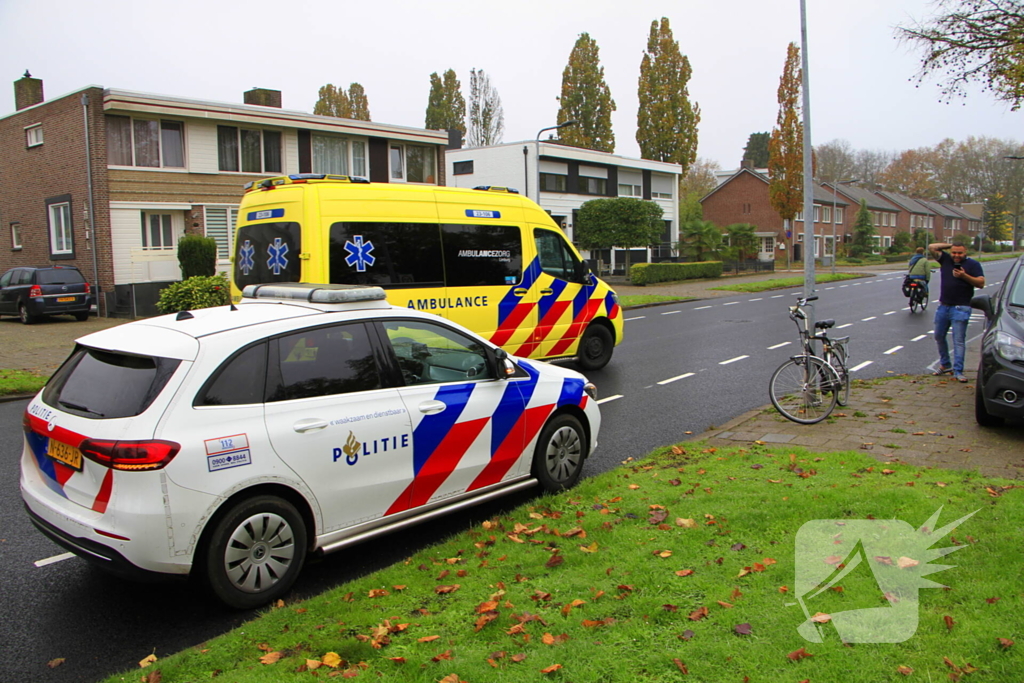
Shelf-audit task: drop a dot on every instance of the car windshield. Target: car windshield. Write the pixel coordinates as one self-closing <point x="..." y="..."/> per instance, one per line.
<point x="1016" y="297"/>
<point x="59" y="276"/>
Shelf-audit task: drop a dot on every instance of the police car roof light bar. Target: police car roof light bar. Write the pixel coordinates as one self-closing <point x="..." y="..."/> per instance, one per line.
<point x="314" y="293"/>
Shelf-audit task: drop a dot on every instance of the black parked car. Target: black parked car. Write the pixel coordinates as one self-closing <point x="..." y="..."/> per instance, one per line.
<point x="49" y="290"/>
<point x="1000" y="388"/>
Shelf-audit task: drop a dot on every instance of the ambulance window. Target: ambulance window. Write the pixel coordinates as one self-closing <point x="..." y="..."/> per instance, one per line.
<point x="239" y="381"/>
<point x="482" y="255"/>
<point x="391" y="255"/>
<point x="555" y="257"/>
<point x="322" y="362"/>
<point x="267" y="252"/>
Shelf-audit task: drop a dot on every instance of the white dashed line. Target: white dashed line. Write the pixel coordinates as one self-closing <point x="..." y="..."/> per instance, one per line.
<point x="861" y="366"/>
<point x="52" y="560"/>
<point x="864" y="320"/>
<point x="841" y="286"/>
<point x="778" y="346"/>
<point x="890" y="312"/>
<point x="670" y="312"/>
<point x="700" y="308"/>
<point x="828" y="288"/>
<point x="610" y="398"/>
<point x="757" y="299"/>
<point x="778" y="296"/>
<point x="919" y="337"/>
<point x="733" y="360"/>
<point x="639" y="317"/>
<point x="856" y="284"/>
<point x="893" y="350"/>
<point x="842" y="326"/>
<point x="730" y="303"/>
<point x="677" y="377"/>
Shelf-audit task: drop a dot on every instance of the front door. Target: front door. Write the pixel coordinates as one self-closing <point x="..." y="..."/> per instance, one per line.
<point x="565" y="307"/>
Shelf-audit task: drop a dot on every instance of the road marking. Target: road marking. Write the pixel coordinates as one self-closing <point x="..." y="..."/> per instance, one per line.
<point x="677" y="377"/>
<point x="842" y="326"/>
<point x="610" y="398"/>
<point x="52" y="560"/>
<point x="861" y="366"/>
<point x="639" y="317"/>
<point x="890" y="312"/>
<point x="730" y="303"/>
<point x="733" y="360"/>
<point x="864" y="320"/>
<point x="856" y="284"/>
<point x="778" y="296"/>
<point x="919" y="337"/>
<point x="701" y="308"/>
<point x="893" y="350"/>
<point x="828" y="288"/>
<point x="778" y="346"/>
<point x="761" y="298"/>
<point x="931" y="331"/>
<point x="841" y="286"/>
<point x="670" y="312"/>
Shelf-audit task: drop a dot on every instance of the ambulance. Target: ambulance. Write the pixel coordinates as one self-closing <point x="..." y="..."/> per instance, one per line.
<point x="485" y="258"/>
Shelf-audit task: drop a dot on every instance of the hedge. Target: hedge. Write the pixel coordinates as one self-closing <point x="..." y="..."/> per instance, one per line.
<point x="650" y="273"/>
<point x="193" y="293"/>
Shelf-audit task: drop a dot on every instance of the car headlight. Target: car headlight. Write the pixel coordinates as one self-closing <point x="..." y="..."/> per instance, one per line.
<point x="591" y="390"/>
<point x="1009" y="347"/>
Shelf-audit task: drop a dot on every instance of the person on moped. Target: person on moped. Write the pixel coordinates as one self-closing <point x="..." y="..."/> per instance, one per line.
<point x="918" y="271"/>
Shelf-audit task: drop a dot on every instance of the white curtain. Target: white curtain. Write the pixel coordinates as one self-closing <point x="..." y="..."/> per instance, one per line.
<point x="330" y="155"/>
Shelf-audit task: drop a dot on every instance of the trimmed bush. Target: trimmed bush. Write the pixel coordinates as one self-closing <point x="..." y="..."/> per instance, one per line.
<point x="193" y="293"/>
<point x="650" y="273"/>
<point x="197" y="256"/>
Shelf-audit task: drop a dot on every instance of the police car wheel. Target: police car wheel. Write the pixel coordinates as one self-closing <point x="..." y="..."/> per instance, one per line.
<point x="558" y="458"/>
<point x="595" y="348"/>
<point x="255" y="552"/>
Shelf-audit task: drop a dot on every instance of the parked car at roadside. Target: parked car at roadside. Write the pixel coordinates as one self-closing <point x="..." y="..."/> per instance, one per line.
<point x="31" y="293"/>
<point x="999" y="393"/>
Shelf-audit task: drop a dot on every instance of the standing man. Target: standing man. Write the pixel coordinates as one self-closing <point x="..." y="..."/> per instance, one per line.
<point x="960" y="275"/>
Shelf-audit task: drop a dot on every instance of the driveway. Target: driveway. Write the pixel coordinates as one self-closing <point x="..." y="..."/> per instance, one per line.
<point x="43" y="346"/>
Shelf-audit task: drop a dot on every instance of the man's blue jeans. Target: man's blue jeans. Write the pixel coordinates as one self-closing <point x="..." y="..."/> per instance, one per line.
<point x="956" y="317"/>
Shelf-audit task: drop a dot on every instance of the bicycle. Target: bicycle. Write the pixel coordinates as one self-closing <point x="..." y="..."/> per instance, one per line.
<point x="914" y="290"/>
<point x="807" y="387"/>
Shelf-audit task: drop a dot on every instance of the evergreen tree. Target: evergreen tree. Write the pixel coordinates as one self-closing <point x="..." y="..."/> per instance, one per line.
<point x="743" y="240"/>
<point x="700" y="240"/>
<point x="586" y="99"/>
<point x="998" y="219"/>
<point x="446" y="108"/>
<point x="666" y="121"/>
<point x="786" y="145"/>
<point x="486" y="117"/>
<point x="863" y="242"/>
<point x="360" y="105"/>
<point x="343" y="104"/>
<point x="756" y="151"/>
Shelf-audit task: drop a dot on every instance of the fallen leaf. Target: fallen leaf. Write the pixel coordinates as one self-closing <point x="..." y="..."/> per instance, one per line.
<point x="797" y="655"/>
<point x="484" y="619"/>
<point x="684" y="572"/>
<point x="670" y="608"/>
<point x="518" y="657"/>
<point x="313" y="664"/>
<point x="688" y="634"/>
<point x="783" y="589"/>
<point x="54" y="663"/>
<point x="451" y="678"/>
<point x="905" y="562"/>
<point x="551" y="669"/>
<point x="756" y="466"/>
<point x="724" y="604"/>
<point x="447" y="654"/>
<point x="662" y="553"/>
<point x="331" y="659"/>
<point x="149" y="659"/>
<point x="680" y="666"/>
<point x="378" y="593"/>
<point x="442" y="590"/>
<point x="270" y="657"/>
<point x="949" y="622"/>
<point x="427" y="639"/>
<point x="833" y="559"/>
<point x="735" y="593"/>
<point x="737" y="546"/>
<point x="153" y="677"/>
<point x="742" y="629"/>
<point x="698" y="614"/>
<point x="1003" y="643"/>
<point x="821" y="618"/>
<point x="592" y="548"/>
<point x="883" y="559"/>
<point x="554" y="561"/>
<point x="686" y="523"/>
<point x="905" y="670"/>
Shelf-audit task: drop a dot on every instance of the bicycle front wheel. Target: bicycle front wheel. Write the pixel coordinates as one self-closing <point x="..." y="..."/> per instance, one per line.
<point x="803" y="389"/>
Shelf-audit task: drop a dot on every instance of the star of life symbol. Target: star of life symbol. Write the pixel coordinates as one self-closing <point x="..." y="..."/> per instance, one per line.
<point x="359" y="253"/>
<point x="889" y="552"/>
<point x="277" y="260"/>
<point x="245" y="260"/>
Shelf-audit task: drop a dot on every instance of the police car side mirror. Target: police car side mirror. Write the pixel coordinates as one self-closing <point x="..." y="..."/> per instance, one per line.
<point x="506" y="368"/>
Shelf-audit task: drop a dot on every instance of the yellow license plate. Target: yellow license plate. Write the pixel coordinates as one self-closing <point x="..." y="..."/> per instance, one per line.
<point x="62" y="452"/>
<point x="65" y="299"/>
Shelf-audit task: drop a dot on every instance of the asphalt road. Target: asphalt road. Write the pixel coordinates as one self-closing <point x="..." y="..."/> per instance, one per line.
<point x="681" y="368"/>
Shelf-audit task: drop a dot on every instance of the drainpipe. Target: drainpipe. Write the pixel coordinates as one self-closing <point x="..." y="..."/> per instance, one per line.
<point x="92" y="208"/>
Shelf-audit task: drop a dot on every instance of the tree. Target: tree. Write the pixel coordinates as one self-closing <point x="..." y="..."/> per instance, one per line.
<point x="863" y="243"/>
<point x="360" y="105"/>
<point x="700" y="240"/>
<point x="743" y="240"/>
<point x="666" y="121"/>
<point x="973" y="40"/>
<point x="486" y="116"/>
<point x="997" y="219"/>
<point x="620" y="222"/>
<point x="902" y="242"/>
<point x="835" y="161"/>
<point x="756" y="151"/>
<point x="869" y="164"/>
<point x="446" y="107"/>
<point x="786" y="145"/>
<point x="586" y="99"/>
<point x="350" y="104"/>
<point x="910" y="173"/>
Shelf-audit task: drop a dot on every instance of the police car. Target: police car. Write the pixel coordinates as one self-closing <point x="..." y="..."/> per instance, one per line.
<point x="230" y="442"/>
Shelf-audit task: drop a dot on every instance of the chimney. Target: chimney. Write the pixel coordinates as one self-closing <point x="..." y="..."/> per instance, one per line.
<point x="263" y="97"/>
<point x="27" y="91"/>
<point x="454" y="139"/>
<point x="747" y="163"/>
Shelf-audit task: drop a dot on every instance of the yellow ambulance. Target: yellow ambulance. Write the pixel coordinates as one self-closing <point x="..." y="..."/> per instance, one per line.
<point x="488" y="258"/>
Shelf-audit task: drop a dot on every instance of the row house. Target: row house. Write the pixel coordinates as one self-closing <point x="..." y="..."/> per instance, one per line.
<point x="561" y="179"/>
<point x="159" y="167"/>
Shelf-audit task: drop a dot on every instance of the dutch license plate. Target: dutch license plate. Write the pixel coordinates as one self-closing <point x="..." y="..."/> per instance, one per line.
<point x="62" y="452"/>
<point x="65" y="299"/>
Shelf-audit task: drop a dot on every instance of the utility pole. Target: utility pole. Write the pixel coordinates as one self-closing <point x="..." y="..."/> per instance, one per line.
<point x="808" y="168"/>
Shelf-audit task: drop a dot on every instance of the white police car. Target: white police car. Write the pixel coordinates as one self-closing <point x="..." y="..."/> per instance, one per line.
<point x="230" y="442"/>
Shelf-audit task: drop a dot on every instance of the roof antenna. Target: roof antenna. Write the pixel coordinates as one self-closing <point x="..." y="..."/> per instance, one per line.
<point x="232" y="305"/>
<point x="184" y="315"/>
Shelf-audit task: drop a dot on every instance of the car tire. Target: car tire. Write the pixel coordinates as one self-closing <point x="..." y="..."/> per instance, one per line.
<point x="595" y="348"/>
<point x="81" y="316"/>
<point x="560" y="452"/>
<point x="981" y="415"/>
<point x="24" y="316"/>
<point x="255" y="552"/>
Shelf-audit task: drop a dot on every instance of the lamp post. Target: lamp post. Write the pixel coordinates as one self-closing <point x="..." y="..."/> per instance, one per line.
<point x="571" y="122"/>
<point x="834" y="184"/>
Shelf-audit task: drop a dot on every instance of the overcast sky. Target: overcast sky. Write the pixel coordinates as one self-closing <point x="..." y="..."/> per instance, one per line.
<point x="862" y="86"/>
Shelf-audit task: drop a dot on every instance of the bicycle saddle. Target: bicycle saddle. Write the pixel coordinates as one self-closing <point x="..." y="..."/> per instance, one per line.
<point x="824" y="324"/>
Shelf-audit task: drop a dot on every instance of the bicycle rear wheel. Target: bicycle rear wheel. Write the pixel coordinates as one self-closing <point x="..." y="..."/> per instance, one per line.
<point x="803" y="389"/>
<point x="915" y="300"/>
<point x="838" y="363"/>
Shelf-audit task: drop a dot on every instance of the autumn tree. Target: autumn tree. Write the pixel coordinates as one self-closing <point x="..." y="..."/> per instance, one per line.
<point x="667" y="120"/>
<point x="486" y="116"/>
<point x="973" y="41"/>
<point x="863" y="243"/>
<point x="360" y="105"/>
<point x="910" y="173"/>
<point x="998" y="219"/>
<point x="446" y="107"/>
<point x="621" y="222"/>
<point x="786" y="145"/>
<point x="345" y="104"/>
<point x="756" y="151"/>
<point x="586" y="99"/>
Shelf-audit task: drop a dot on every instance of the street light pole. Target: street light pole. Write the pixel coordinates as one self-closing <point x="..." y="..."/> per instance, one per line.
<point x="571" y="122"/>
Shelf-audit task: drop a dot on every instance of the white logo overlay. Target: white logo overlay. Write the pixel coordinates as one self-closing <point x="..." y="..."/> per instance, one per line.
<point x="891" y="551"/>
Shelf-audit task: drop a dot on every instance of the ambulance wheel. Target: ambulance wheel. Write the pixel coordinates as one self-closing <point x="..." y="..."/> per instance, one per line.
<point x="595" y="348"/>
<point x="558" y="458"/>
<point x="256" y="550"/>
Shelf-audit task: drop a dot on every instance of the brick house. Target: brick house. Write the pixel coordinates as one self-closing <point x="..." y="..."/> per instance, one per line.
<point x="885" y="216"/>
<point x="159" y="167"/>
<point x="952" y="221"/>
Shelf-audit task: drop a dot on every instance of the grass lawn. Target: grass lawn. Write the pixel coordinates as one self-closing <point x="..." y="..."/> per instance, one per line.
<point x="632" y="300"/>
<point x="682" y="563"/>
<point x="20" y="382"/>
<point x="785" y="282"/>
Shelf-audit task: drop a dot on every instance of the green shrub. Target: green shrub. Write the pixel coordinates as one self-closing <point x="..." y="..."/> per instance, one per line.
<point x="193" y="293"/>
<point x="650" y="273"/>
<point x="854" y="261"/>
<point x="197" y="256"/>
<point x="895" y="258"/>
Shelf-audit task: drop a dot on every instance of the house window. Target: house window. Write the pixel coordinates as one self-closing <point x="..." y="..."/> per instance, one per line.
<point x="886" y="241"/>
<point x="157" y="231"/>
<point x="248" y="150"/>
<point x="839" y="214"/>
<point x="747" y="208"/>
<point x="220" y="225"/>
<point x="826" y="214"/>
<point x="412" y="163"/>
<point x="462" y="167"/>
<point x="592" y="185"/>
<point x="34" y="135"/>
<point x="630" y="190"/>
<point x="15" y="235"/>
<point x="661" y="195"/>
<point x="817" y="213"/>
<point x="330" y="154"/>
<point x="767" y="245"/>
<point x="146" y="143"/>
<point x="552" y="182"/>
<point x="61" y="238"/>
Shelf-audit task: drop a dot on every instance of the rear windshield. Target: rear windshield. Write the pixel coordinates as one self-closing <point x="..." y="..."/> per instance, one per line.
<point x="104" y="384"/>
<point x="267" y="252"/>
<point x="59" y="276"/>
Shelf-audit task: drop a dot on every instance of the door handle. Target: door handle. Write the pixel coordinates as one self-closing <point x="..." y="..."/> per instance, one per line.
<point x="309" y="425"/>
<point x="432" y="407"/>
<point x="520" y="291"/>
<point x="547" y="291"/>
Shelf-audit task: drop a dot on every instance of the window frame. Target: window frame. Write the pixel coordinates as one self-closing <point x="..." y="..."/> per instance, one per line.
<point x="132" y="149"/>
<point x="238" y="150"/>
<point x="16" y="244"/>
<point x="147" y="217"/>
<point x="600" y="183"/>
<point x="401" y="175"/>
<point x="548" y="176"/>
<point x="459" y="166"/>
<point x="63" y="203"/>
<point x="30" y="135"/>
<point x="635" y="190"/>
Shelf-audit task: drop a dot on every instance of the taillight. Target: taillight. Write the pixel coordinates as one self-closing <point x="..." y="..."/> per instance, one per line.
<point x="88" y="289"/>
<point x="130" y="455"/>
<point x="35" y="291"/>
